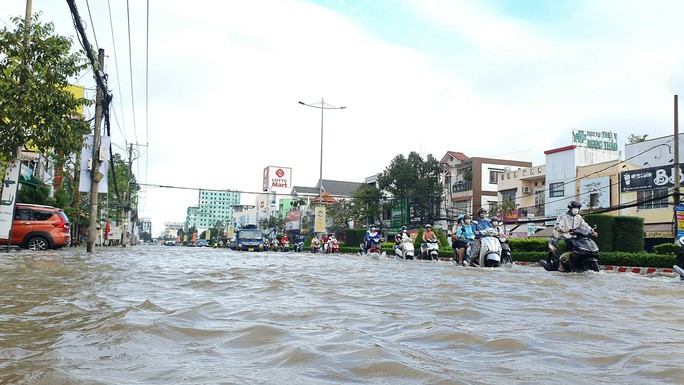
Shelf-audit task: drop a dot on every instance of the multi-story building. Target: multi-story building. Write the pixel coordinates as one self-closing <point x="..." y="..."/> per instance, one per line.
<point x="525" y="189"/>
<point x="215" y="206"/>
<point x="191" y="218"/>
<point x="171" y="229"/>
<point x="471" y="183"/>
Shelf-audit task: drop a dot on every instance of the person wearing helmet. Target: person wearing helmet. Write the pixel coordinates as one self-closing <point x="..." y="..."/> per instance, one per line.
<point x="400" y="235"/>
<point x="568" y="221"/>
<point x="454" y="239"/>
<point x="428" y="234"/>
<point x="465" y="234"/>
<point x="679" y="259"/>
<point x="481" y="223"/>
<point x="503" y="238"/>
<point x="372" y="235"/>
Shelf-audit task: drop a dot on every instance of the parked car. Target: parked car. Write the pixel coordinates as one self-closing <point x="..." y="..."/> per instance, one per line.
<point x="38" y="227"/>
<point x="202" y="243"/>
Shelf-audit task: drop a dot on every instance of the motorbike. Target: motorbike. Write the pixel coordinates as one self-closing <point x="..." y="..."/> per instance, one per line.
<point x="298" y="247"/>
<point x="430" y="249"/>
<point x="333" y="247"/>
<point x="582" y="257"/>
<point x="405" y="249"/>
<point x="679" y="259"/>
<point x="274" y="245"/>
<point x="285" y="246"/>
<point x="491" y="249"/>
<point x="315" y="246"/>
<point x="506" y="256"/>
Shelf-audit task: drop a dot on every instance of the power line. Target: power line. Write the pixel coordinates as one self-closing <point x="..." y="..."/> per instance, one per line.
<point x="130" y="65"/>
<point x="118" y="78"/>
<point x="92" y="25"/>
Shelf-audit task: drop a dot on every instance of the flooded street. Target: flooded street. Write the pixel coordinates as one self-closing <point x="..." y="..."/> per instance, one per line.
<point x="169" y="315"/>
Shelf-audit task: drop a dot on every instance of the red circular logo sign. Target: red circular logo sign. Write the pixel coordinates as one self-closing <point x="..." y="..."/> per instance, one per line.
<point x="280" y="173"/>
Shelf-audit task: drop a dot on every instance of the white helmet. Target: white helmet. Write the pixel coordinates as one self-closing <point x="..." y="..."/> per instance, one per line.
<point x="680" y="242"/>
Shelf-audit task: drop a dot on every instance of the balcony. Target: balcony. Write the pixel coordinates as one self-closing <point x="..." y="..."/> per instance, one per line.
<point x="462" y="186"/>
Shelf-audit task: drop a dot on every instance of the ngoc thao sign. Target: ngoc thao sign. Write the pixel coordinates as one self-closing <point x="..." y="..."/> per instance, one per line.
<point x="649" y="178"/>
<point x="604" y="140"/>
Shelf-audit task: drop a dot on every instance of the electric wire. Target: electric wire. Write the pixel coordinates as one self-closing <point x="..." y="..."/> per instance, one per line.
<point x="92" y="25"/>
<point x="118" y="77"/>
<point x="130" y="65"/>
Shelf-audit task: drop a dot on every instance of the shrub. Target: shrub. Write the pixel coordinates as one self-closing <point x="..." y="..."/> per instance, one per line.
<point x="604" y="226"/>
<point x="628" y="234"/>
<point x="666" y="249"/>
<point x="354" y="237"/>
<point x="528" y="244"/>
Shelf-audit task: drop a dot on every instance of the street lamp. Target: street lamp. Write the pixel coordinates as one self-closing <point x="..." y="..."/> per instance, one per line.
<point x="322" y="106"/>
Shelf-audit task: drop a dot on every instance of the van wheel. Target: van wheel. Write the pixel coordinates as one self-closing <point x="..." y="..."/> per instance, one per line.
<point x="37" y="243"/>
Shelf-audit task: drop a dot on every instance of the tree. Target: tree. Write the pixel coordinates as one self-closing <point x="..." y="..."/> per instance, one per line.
<point x="118" y="189"/>
<point x="415" y="179"/>
<point x="366" y="204"/>
<point x="340" y="213"/>
<point x="36" y="106"/>
<point x="633" y="138"/>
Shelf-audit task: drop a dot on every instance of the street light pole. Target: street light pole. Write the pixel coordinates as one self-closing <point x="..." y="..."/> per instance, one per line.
<point x="323" y="106"/>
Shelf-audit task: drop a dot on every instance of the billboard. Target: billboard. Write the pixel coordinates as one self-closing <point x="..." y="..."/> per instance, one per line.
<point x="86" y="155"/>
<point x="649" y="178"/>
<point x="277" y="179"/>
<point x="8" y="200"/>
<point x="602" y="140"/>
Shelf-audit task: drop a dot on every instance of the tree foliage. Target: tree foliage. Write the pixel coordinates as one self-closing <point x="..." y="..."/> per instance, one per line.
<point x="366" y="204"/>
<point x="634" y="138"/>
<point x="35" y="105"/>
<point x="340" y="213"/>
<point x="416" y="179"/>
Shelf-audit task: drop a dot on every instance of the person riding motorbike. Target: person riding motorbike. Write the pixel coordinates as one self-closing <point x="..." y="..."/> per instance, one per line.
<point x="464" y="235"/>
<point x="679" y="259"/>
<point x="333" y="245"/>
<point x="400" y="237"/>
<point x="454" y="239"/>
<point x="481" y="224"/>
<point x="428" y="235"/>
<point x="285" y="242"/>
<point x="503" y="238"/>
<point x="315" y="244"/>
<point x="372" y="236"/>
<point x="567" y="222"/>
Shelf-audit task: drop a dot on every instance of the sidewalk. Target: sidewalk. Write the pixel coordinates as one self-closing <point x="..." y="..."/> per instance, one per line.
<point x="620" y="269"/>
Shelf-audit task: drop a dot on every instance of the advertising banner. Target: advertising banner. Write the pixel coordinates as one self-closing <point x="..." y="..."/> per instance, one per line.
<point x="679" y="212"/>
<point x="8" y="199"/>
<point x="277" y="179"/>
<point x="649" y="178"/>
<point x="292" y="220"/>
<point x="87" y="154"/>
<point x="319" y="226"/>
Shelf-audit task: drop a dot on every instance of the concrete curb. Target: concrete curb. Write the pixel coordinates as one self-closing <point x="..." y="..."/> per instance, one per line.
<point x="620" y="269"/>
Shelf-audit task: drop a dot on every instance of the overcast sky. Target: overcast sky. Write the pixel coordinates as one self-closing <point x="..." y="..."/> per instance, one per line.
<point x="486" y="78"/>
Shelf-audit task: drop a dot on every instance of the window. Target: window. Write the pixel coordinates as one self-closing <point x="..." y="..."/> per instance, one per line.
<point x="508" y="196"/>
<point x="652" y="199"/>
<point x="556" y="190"/>
<point x="494" y="176"/>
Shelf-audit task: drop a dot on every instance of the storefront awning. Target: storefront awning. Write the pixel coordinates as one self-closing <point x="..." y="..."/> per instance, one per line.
<point x="31" y="181"/>
<point x="658" y="230"/>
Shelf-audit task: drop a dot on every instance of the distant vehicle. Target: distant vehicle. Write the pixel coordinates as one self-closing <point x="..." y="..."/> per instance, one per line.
<point x="38" y="227"/>
<point x="170" y="243"/>
<point x="202" y="243"/>
<point x="249" y="238"/>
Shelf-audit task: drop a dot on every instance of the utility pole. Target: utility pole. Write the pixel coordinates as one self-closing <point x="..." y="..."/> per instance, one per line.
<point x="675" y="194"/>
<point x="127" y="198"/>
<point x="95" y="174"/>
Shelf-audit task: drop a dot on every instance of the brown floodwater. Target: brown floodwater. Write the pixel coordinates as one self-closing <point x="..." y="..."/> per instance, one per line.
<point x="170" y="315"/>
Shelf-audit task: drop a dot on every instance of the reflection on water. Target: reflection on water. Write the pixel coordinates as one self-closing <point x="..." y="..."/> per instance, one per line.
<point x="163" y="315"/>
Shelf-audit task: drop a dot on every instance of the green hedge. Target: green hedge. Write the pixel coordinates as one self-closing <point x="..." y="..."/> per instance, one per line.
<point x="528" y="244"/>
<point x="604" y="226"/>
<point x="628" y="234"/>
<point x="666" y="249"/>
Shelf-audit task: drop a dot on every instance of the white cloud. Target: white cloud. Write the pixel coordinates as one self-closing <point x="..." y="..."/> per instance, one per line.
<point x="225" y="79"/>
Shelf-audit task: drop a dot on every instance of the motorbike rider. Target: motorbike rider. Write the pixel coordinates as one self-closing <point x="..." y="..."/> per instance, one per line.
<point x="464" y="235"/>
<point x="315" y="244"/>
<point x="334" y="246"/>
<point x="285" y="241"/>
<point x="679" y="259"/>
<point x="399" y="238"/>
<point x="503" y="238"/>
<point x="372" y="235"/>
<point x="567" y="222"/>
<point x="428" y="234"/>
<point x="454" y="238"/>
<point x="481" y="224"/>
